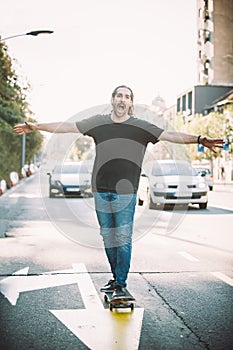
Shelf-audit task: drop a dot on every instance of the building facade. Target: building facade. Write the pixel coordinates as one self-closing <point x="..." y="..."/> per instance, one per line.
<point x="214" y="79"/>
<point x="215" y="42"/>
<point x="214" y="58"/>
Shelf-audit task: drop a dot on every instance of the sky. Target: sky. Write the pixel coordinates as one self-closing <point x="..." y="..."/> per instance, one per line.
<point x="149" y="45"/>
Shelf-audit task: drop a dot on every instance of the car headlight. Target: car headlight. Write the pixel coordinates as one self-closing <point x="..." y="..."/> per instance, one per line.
<point x="55" y="190"/>
<point x="202" y="185"/>
<point x="159" y="185"/>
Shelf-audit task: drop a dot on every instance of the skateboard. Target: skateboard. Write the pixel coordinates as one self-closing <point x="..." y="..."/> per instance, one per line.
<point x="123" y="302"/>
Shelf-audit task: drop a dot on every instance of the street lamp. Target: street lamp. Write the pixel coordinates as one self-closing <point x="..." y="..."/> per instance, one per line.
<point x="33" y="33"/>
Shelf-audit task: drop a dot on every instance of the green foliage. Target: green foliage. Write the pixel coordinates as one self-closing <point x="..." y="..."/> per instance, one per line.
<point x="13" y="109"/>
<point x="213" y="125"/>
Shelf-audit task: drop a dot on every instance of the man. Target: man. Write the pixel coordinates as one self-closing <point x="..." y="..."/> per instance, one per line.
<point x="121" y="141"/>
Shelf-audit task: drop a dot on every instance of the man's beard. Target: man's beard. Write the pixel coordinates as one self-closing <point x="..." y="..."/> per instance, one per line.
<point x="120" y="110"/>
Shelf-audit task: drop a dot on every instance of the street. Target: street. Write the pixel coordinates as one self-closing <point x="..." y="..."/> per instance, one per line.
<point x="52" y="265"/>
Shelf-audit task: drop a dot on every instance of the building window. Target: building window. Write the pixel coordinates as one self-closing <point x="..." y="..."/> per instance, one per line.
<point x="178" y="105"/>
<point x="207" y="64"/>
<point x="184" y="103"/>
<point x="190" y="100"/>
<point x="207" y="35"/>
<point x="206" y="15"/>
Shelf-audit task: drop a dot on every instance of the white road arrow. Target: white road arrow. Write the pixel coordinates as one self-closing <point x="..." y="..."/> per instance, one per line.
<point x="19" y="282"/>
<point x="97" y="327"/>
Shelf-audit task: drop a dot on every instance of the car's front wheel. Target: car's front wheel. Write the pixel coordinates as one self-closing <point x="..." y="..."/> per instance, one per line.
<point x="152" y="205"/>
<point x="203" y="205"/>
<point x="140" y="202"/>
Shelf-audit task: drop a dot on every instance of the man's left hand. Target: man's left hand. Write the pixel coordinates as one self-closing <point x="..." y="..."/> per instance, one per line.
<point x="211" y="143"/>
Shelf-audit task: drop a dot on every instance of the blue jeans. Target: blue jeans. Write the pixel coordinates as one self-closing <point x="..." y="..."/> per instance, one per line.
<point x="115" y="213"/>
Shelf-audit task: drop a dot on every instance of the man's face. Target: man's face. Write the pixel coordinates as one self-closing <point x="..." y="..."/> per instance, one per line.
<point x="121" y="102"/>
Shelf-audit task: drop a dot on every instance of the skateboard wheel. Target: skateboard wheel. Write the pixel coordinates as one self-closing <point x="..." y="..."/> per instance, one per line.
<point x="132" y="307"/>
<point x="106" y="298"/>
<point x="110" y="307"/>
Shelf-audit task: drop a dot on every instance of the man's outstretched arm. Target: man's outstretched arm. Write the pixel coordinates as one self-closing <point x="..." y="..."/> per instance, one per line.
<point x="57" y="127"/>
<point x="181" y="137"/>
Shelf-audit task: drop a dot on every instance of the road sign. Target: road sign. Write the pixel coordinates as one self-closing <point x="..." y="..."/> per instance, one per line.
<point x="226" y="144"/>
<point x="200" y="148"/>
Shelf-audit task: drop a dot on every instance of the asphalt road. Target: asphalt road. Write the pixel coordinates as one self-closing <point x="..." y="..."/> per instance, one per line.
<point x="52" y="266"/>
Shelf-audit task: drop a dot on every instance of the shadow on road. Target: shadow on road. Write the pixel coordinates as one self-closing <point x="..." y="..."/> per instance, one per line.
<point x="209" y="211"/>
<point x="196" y="210"/>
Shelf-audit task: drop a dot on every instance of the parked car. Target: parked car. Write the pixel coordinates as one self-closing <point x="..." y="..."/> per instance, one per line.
<point x="14" y="178"/>
<point x="70" y="179"/>
<point x="208" y="176"/>
<point x="3" y="186"/>
<point x="143" y="189"/>
<point x="176" y="182"/>
<point x="30" y="169"/>
<point x="23" y="173"/>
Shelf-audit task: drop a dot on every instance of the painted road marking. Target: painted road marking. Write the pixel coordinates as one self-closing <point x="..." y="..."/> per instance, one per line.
<point x="12" y="286"/>
<point x="97" y="327"/>
<point x="188" y="256"/>
<point x="223" y="278"/>
<point x="86" y="287"/>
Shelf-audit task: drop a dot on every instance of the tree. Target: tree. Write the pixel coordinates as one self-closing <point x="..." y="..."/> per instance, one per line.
<point x="13" y="109"/>
<point x="213" y="125"/>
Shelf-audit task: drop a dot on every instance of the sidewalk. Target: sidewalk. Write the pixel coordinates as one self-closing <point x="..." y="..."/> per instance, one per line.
<point x="223" y="187"/>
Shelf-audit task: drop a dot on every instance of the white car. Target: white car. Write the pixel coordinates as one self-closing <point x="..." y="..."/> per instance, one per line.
<point x="174" y="182"/>
<point x="143" y="189"/>
<point x="3" y="186"/>
<point x="14" y="178"/>
<point x="208" y="176"/>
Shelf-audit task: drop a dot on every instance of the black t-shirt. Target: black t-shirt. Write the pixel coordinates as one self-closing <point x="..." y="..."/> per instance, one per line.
<point x="120" y="149"/>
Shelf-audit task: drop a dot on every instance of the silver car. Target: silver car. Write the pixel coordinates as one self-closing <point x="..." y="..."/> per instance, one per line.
<point x="70" y="179"/>
<point x="176" y="182"/>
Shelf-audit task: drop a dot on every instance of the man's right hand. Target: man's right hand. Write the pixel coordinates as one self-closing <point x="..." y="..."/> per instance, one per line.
<point x="25" y="128"/>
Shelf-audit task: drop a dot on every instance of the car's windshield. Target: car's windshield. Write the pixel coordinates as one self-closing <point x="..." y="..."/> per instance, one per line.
<point x="70" y="169"/>
<point x="165" y="169"/>
<point x="203" y="170"/>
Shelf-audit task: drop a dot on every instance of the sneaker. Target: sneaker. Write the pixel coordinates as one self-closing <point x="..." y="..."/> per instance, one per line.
<point x="118" y="293"/>
<point x="109" y="287"/>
